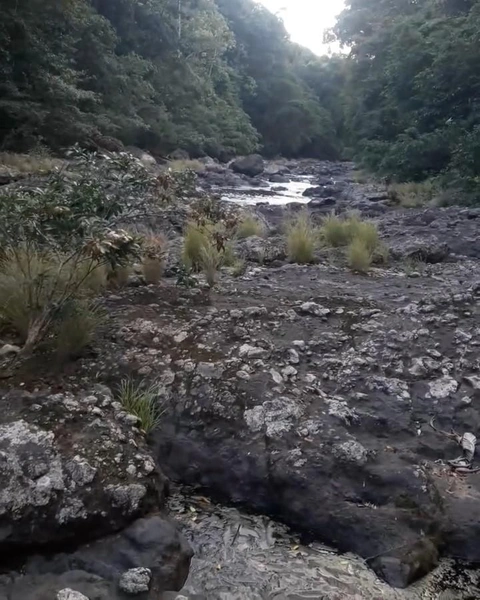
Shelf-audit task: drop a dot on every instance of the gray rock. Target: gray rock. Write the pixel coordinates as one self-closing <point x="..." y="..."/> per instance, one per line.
<point x="68" y="594"/>
<point x="249" y="165"/>
<point x="135" y="581"/>
<point x="9" y="349"/>
<point x="312" y="308"/>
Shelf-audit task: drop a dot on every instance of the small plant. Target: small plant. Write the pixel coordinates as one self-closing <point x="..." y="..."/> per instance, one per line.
<point x="119" y="275"/>
<point x="37" y="288"/>
<point x="141" y="400"/>
<point x="196" y="238"/>
<point x="359" y="257"/>
<point x="227" y="256"/>
<point x="250" y="226"/>
<point x="381" y="254"/>
<point x="185" y="278"/>
<point x="301" y="240"/>
<point x="76" y="329"/>
<point x="153" y="255"/>
<point x="239" y="268"/>
<point x="334" y="231"/>
<point x="210" y="261"/>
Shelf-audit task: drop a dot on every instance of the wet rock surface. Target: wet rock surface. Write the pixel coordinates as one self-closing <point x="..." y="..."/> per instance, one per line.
<point x="300" y="392"/>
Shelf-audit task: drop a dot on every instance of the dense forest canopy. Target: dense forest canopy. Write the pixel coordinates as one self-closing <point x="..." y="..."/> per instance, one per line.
<point x="412" y="97"/>
<point x="211" y="77"/>
<point x="221" y="77"/>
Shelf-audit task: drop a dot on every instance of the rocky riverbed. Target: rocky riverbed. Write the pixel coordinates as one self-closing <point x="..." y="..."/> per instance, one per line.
<point x="301" y="393"/>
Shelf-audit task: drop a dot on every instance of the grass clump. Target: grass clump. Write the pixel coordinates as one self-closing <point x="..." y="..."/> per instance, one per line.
<point x="28" y="163"/>
<point x="141" y="400"/>
<point x="250" y="226"/>
<point x="77" y="328"/>
<point x="210" y="262"/>
<point x="359" y="257"/>
<point x="179" y="166"/>
<point x="413" y="194"/>
<point x="44" y="294"/>
<point x="154" y="246"/>
<point x="335" y="231"/>
<point x="301" y="240"/>
<point x="196" y="239"/>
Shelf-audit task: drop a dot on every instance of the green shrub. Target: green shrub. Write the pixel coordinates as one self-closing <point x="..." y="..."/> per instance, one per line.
<point x="196" y="238"/>
<point x="413" y="194"/>
<point x="239" y="268"/>
<point x="250" y="226"/>
<point x="301" y="240"/>
<point x="334" y="231"/>
<point x="359" y="257"/>
<point x="38" y="288"/>
<point x="141" y="400"/>
<point x="179" y="166"/>
<point x="76" y="329"/>
<point x="210" y="261"/>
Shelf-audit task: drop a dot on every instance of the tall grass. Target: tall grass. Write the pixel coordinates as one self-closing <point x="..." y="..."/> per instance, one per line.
<point x="40" y="290"/>
<point x="28" y="163"/>
<point x="141" y="399"/>
<point x="250" y="226"/>
<point x="178" y="166"/>
<point x="359" y="257"/>
<point x="413" y="194"/>
<point x="301" y="240"/>
<point x="196" y="239"/>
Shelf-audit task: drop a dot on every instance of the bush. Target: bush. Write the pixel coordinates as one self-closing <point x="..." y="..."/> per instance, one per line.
<point x="359" y="257"/>
<point x="28" y="163"/>
<point x="180" y="166"/>
<point x="196" y="238"/>
<point x="336" y="232"/>
<point x="154" y="247"/>
<point x="141" y="400"/>
<point x="301" y="240"/>
<point x="239" y="268"/>
<point x="413" y="194"/>
<point x="250" y="226"/>
<point x="77" y="328"/>
<point x="39" y="288"/>
<point x="210" y="261"/>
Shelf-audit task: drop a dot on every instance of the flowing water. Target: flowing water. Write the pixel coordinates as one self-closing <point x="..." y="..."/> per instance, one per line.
<point x="273" y="193"/>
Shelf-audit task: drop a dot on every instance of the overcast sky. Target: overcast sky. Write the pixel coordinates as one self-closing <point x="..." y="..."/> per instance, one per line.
<point x="306" y="20"/>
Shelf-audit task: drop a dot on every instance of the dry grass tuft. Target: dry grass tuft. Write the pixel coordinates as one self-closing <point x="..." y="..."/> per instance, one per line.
<point x="28" y="163"/>
<point x="178" y="166"/>
<point x="301" y="240"/>
<point x="413" y="194"/>
<point x="359" y="257"/>
<point x="250" y="226"/>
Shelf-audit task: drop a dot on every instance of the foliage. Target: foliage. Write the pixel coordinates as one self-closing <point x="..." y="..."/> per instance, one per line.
<point x="301" y="240"/>
<point x="28" y="163"/>
<point x="186" y="165"/>
<point x="195" y="240"/>
<point x="250" y="226"/>
<point x="337" y="232"/>
<point x="208" y="76"/>
<point x="44" y="293"/>
<point x="359" y="257"/>
<point x="411" y="97"/>
<point x="76" y="329"/>
<point x="413" y="194"/>
<point x="210" y="261"/>
<point x="142" y="400"/>
<point x="58" y="242"/>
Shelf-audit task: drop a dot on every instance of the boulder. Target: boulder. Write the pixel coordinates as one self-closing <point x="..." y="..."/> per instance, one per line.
<point x="427" y="249"/>
<point x="54" y="491"/>
<point x="251" y="165"/>
<point x="259" y="250"/>
<point x="146" y="559"/>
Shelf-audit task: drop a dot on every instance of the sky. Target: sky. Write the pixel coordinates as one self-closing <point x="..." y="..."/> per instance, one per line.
<point x="306" y="20"/>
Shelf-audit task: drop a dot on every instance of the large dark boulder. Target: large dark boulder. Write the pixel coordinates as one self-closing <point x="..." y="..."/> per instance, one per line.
<point x="251" y="165"/>
<point x="150" y="556"/>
